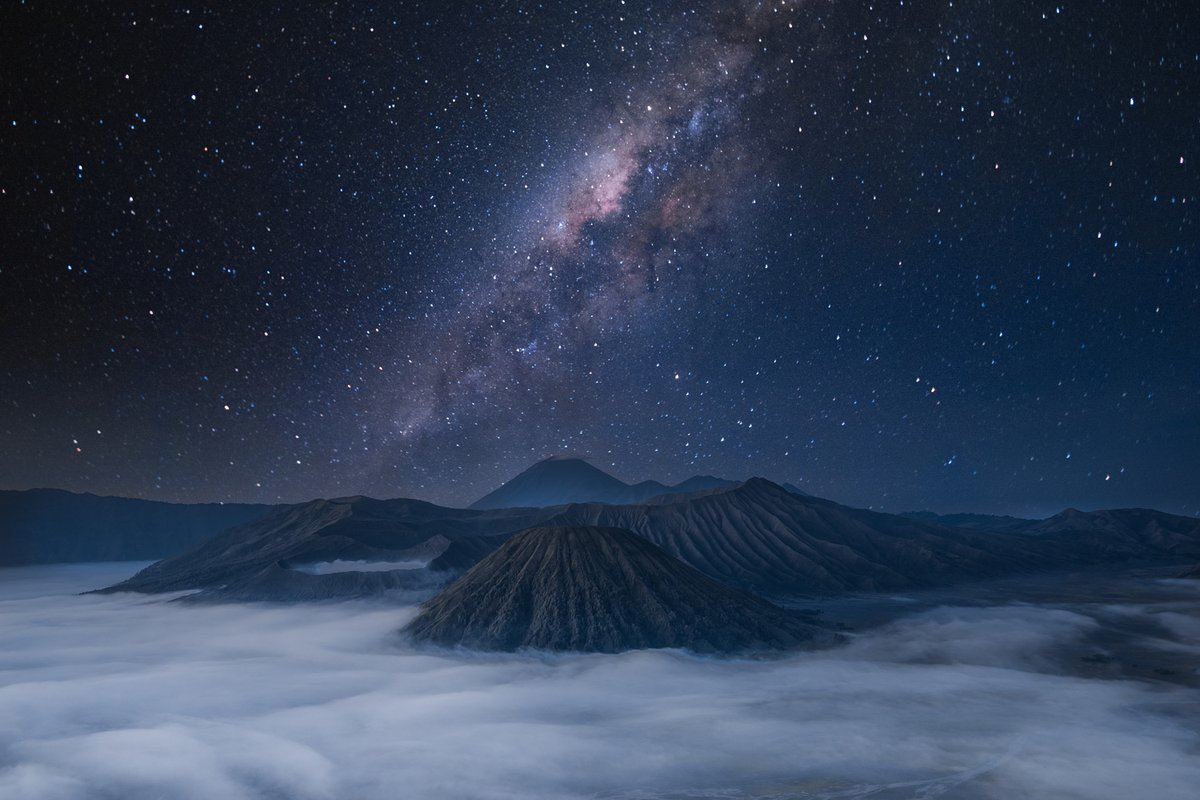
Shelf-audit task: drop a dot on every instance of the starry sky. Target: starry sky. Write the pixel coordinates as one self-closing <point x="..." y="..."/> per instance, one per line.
<point x="905" y="255"/>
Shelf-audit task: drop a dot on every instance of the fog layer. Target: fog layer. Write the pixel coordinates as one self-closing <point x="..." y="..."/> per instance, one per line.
<point x="133" y="697"/>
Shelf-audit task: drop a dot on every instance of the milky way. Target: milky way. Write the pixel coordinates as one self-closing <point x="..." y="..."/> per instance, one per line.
<point x="612" y="239"/>
<point x="902" y="255"/>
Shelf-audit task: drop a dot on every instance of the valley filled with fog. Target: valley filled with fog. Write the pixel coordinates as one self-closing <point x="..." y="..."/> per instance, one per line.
<point x="1080" y="687"/>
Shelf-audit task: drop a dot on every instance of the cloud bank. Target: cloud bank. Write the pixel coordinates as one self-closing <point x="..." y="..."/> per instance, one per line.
<point x="129" y="697"/>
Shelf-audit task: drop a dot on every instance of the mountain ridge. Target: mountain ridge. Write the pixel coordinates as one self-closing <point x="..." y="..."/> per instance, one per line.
<point x="560" y="480"/>
<point x="754" y="535"/>
<point x="46" y="526"/>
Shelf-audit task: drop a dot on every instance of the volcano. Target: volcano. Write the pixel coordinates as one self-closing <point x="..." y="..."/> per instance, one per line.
<point x="560" y="480"/>
<point x="584" y="588"/>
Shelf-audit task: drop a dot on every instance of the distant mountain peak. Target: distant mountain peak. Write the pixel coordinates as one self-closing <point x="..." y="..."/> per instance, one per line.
<point x="562" y="479"/>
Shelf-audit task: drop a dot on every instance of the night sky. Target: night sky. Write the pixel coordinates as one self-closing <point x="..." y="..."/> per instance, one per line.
<point x="905" y="255"/>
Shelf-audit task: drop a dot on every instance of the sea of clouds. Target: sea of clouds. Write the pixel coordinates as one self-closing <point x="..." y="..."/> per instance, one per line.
<point x="136" y="697"/>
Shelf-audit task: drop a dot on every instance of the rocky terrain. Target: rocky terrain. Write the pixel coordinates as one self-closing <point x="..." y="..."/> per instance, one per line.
<point x="603" y="590"/>
<point x="755" y="536"/>
<point x="269" y="559"/>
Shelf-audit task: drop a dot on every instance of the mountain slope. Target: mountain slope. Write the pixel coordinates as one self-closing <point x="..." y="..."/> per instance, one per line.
<point x="603" y="590"/>
<point x="983" y="522"/>
<point x="755" y="535"/>
<point x="44" y="526"/>
<point x="1120" y="533"/>
<point x="558" y="480"/>
<point x="761" y="537"/>
<point x="266" y="558"/>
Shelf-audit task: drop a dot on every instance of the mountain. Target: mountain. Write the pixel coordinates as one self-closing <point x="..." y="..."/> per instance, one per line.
<point x="761" y="537"/>
<point x="983" y="522"/>
<point x="44" y="526"/>
<point x="560" y="480"/>
<point x="1121" y="533"/>
<point x="1108" y="534"/>
<point x="283" y="555"/>
<point x="755" y="535"/>
<point x="601" y="590"/>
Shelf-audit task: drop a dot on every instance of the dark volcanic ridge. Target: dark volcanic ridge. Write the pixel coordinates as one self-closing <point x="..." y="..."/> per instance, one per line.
<point x="986" y="522"/>
<point x="755" y="536"/>
<point x="560" y="480"/>
<point x="269" y="558"/>
<point x="596" y="589"/>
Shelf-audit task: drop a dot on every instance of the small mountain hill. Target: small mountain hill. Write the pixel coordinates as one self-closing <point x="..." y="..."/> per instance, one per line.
<point x="601" y="590"/>
<point x="557" y="481"/>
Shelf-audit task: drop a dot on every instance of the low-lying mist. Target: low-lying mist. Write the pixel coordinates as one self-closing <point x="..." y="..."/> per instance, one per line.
<point x="136" y="697"/>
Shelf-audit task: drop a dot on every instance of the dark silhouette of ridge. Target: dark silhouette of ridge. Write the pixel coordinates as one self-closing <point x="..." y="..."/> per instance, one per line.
<point x="761" y="537"/>
<point x="754" y="535"/>
<point x="263" y="559"/>
<point x="602" y="590"/>
<point x="1120" y="533"/>
<point x="45" y="526"/>
<point x="560" y="480"/>
<point x="983" y="522"/>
